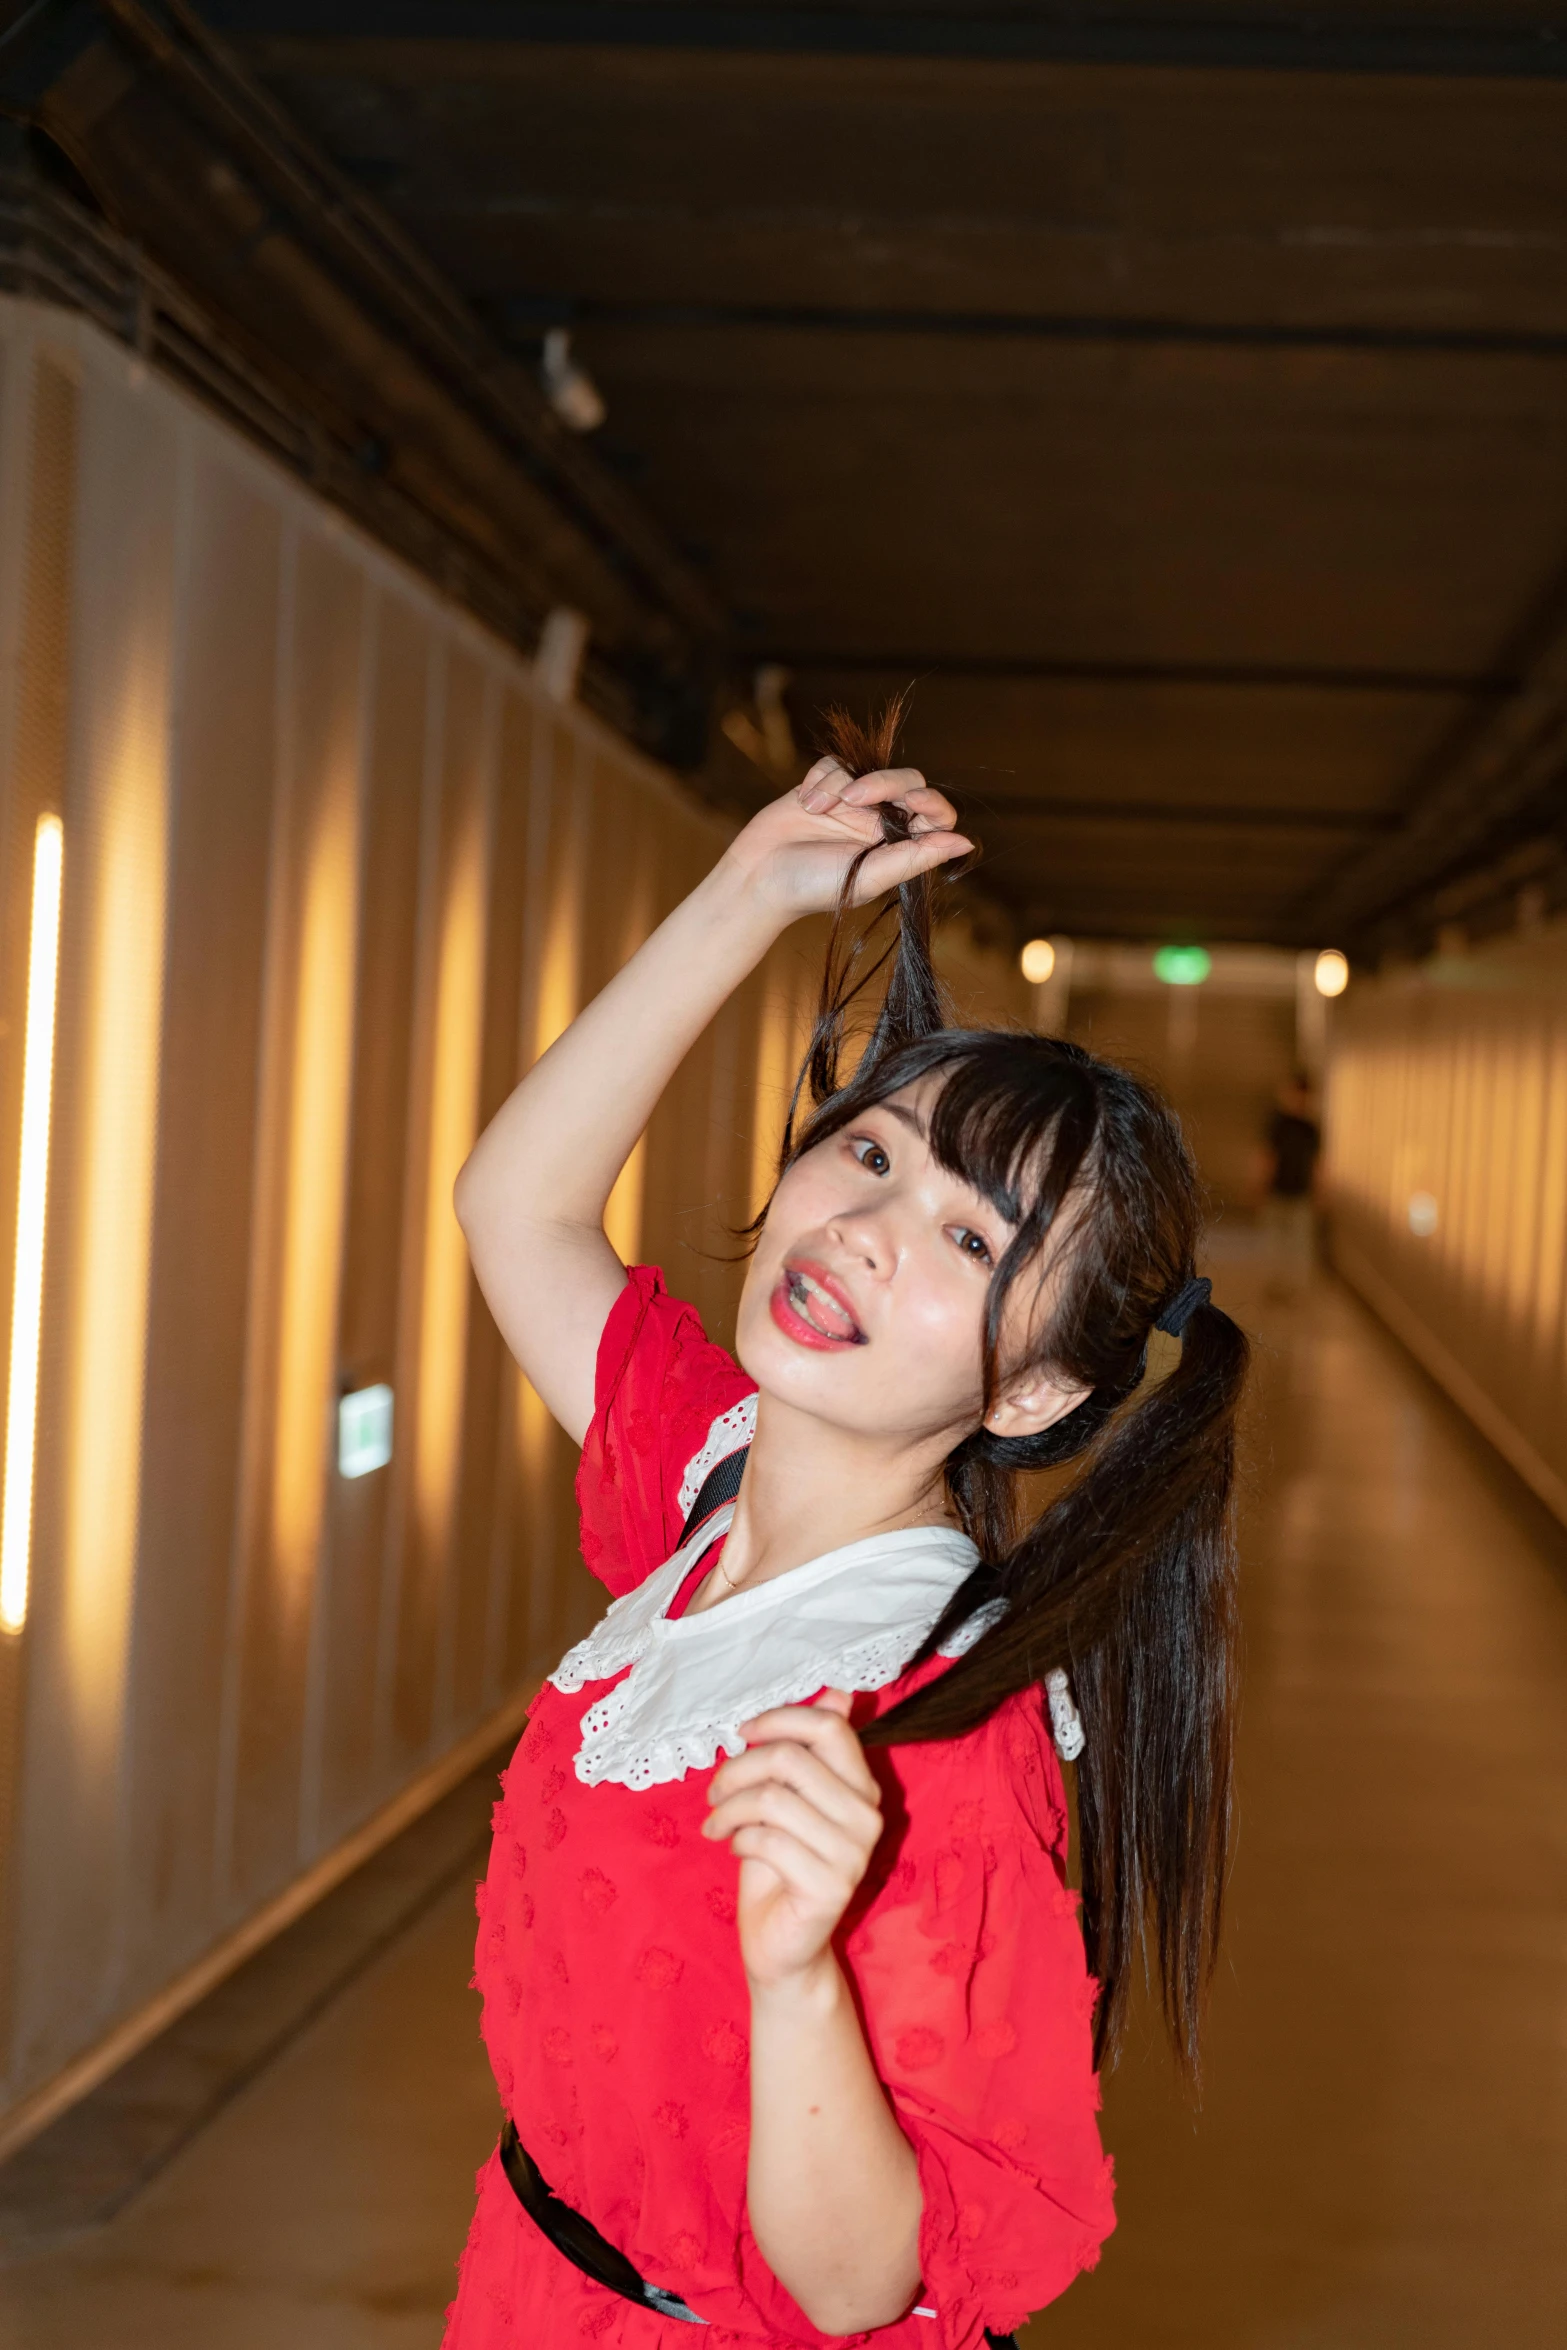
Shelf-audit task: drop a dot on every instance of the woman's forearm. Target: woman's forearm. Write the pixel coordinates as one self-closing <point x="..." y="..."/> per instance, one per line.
<point x="566" y="1131"/>
<point x="532" y="1195"/>
<point x="833" y="2187"/>
<point x="531" y="1198"/>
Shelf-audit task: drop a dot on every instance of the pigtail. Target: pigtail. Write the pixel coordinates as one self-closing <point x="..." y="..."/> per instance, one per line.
<point x="912" y="1006"/>
<point x="1127" y="1581"/>
<point x="1157" y="1694"/>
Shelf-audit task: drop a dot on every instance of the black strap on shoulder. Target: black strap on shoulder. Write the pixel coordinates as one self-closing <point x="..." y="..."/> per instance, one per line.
<point x="721" y="1484"/>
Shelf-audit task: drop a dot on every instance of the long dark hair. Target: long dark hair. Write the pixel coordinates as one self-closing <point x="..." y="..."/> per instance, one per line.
<point x="1126" y="1579"/>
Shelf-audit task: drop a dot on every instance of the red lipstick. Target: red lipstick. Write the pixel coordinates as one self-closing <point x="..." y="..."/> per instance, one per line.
<point x="813" y="1309"/>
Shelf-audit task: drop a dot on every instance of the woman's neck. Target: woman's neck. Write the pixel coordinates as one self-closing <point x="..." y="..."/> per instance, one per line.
<point x="810" y="1488"/>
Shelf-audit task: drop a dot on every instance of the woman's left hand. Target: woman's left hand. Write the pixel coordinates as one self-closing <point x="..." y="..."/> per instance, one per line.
<point x="803" y="1813"/>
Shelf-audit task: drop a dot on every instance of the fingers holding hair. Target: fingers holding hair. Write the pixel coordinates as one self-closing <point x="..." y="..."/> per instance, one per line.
<point x="828" y="788"/>
<point x="899" y="861"/>
<point x="928" y="809"/>
<point x="821" y="788"/>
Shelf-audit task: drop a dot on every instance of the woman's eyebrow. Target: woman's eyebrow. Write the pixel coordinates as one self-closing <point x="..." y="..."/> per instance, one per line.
<point x="909" y="1118"/>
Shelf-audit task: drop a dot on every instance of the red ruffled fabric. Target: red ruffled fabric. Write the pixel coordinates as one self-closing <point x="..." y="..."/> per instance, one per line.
<point x="978" y="2006"/>
<point x="661" y="1384"/>
<point x="615" y="2007"/>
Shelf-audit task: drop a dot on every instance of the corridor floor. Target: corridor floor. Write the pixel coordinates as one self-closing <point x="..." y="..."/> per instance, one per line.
<point x="1380" y="2158"/>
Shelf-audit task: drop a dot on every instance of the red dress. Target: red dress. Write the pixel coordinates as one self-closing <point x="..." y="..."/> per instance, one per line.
<point x="615" y="2007"/>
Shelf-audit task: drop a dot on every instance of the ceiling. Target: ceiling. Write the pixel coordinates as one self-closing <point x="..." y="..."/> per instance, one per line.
<point x="1174" y="395"/>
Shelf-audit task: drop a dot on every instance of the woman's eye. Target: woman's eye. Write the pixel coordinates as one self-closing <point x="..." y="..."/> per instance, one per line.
<point x="870" y="1154"/>
<point x="974" y="1245"/>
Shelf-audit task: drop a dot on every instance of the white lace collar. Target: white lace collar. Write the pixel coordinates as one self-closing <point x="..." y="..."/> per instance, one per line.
<point x="850" y="1619"/>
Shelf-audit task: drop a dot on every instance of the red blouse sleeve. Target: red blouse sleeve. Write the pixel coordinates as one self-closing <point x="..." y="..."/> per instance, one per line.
<point x="978" y="2006"/>
<point x="659" y="1385"/>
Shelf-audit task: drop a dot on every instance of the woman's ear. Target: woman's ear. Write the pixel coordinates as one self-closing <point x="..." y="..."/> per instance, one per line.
<point x="1037" y="1404"/>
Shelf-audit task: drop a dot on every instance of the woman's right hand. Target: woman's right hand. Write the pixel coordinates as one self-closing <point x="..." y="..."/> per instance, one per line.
<point x="795" y="853"/>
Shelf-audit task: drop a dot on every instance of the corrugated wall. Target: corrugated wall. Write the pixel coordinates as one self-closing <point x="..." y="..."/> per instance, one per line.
<point x="1447" y="1143"/>
<point x="333" y="874"/>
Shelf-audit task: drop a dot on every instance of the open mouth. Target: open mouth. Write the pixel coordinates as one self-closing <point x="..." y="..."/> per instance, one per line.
<point x="809" y="1307"/>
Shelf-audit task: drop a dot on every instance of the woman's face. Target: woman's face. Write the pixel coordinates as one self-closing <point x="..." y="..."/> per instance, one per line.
<point x="865" y="1301"/>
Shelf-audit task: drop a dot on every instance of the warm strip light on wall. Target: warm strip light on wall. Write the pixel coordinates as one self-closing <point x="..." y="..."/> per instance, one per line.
<point x="623" y="1208"/>
<point x="784" y="1026"/>
<point x="454" y="1110"/>
<point x="43" y="964"/>
<point x="323" y="1044"/>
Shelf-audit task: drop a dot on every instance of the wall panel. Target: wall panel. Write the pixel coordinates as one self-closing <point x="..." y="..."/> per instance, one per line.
<point x="39" y="465"/>
<point x="466" y="1547"/>
<point x="520" y="1564"/>
<point x="1447" y="1138"/>
<point x="361" y="1540"/>
<point x="116" y="807"/>
<point x="488" y="1499"/>
<point x="563" y="782"/>
<point x="224" y="758"/>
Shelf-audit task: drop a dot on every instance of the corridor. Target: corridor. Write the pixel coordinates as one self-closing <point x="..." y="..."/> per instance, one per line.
<point x="459" y="466"/>
<point x="1380" y="2159"/>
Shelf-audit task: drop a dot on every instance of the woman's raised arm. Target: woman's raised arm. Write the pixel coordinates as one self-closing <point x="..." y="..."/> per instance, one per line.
<point x="532" y="1195"/>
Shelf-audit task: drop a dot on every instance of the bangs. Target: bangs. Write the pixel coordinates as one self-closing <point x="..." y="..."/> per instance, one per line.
<point x="1015" y="1120"/>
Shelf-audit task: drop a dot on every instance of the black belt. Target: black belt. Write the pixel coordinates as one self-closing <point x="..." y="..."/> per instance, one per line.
<point x="579" y="2241"/>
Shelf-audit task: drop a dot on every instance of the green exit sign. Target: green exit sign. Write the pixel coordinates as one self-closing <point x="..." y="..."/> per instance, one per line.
<point x="1182" y="966"/>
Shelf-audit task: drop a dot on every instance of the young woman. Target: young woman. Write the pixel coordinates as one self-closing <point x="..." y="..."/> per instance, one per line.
<point x="785" y="1992"/>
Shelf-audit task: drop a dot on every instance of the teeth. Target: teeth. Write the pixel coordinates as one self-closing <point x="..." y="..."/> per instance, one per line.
<point x="802" y="1290"/>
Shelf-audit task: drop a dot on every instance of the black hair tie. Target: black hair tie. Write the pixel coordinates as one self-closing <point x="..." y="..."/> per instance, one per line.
<point x="1183" y="1305"/>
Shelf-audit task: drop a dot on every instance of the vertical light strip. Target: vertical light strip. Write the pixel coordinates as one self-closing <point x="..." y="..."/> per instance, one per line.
<point x="624" y="1208"/>
<point x="560" y="956"/>
<point x="320" y="1077"/>
<point x="43" y="966"/>
<point x="1553" y="1222"/>
<point x="454" y="1109"/>
<point x="775" y="1035"/>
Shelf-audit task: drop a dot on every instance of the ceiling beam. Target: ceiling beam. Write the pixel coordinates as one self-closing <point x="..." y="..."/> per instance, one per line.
<point x="1525" y="44"/>
<point x="1239" y="676"/>
<point x="527" y="315"/>
<point x="1494" y="770"/>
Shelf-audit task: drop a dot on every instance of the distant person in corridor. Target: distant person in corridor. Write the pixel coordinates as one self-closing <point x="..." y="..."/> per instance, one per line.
<point x="784" y="1987"/>
<point x="1292" y="1144"/>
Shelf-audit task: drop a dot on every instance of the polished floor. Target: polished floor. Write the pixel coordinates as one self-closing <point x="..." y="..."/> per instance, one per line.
<point x="1379" y="2161"/>
<point x="1380" y="2157"/>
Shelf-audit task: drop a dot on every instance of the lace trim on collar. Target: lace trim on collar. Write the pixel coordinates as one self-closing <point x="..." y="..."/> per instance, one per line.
<point x="851" y="1619"/>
